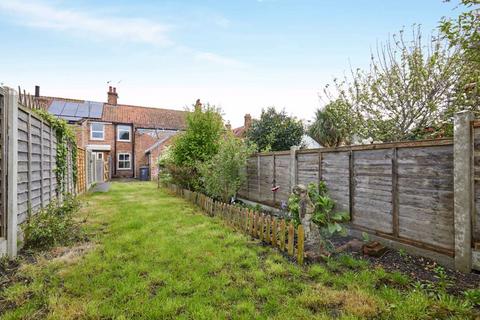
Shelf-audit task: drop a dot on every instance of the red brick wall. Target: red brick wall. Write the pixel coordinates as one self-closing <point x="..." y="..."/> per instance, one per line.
<point x="83" y="139"/>
<point x="143" y="141"/>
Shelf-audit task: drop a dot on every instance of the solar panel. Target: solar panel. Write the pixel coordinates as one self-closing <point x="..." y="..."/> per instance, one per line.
<point x="75" y="111"/>
<point x="96" y="109"/>
<point x="56" y="107"/>
<point x="83" y="110"/>
<point x="70" y="109"/>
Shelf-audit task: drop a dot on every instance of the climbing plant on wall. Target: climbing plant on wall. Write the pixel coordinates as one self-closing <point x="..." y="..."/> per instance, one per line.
<point x="66" y="144"/>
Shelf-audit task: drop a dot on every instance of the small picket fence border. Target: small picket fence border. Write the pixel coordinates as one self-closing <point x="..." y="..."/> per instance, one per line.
<point x="268" y="229"/>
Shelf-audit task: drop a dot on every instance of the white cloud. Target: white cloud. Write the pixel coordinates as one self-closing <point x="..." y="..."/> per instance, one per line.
<point x="218" y="59"/>
<point x="41" y="15"/>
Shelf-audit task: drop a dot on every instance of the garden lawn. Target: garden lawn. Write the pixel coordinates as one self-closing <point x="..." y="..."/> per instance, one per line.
<point x="154" y="256"/>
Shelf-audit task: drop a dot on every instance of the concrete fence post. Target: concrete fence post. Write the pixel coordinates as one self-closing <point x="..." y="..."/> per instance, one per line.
<point x="11" y="107"/>
<point x="463" y="189"/>
<point x="293" y="167"/>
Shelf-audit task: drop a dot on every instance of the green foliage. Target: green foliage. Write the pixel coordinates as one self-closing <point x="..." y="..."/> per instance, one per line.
<point x="407" y="92"/>
<point x="53" y="225"/>
<point x="325" y="216"/>
<point x="473" y="297"/>
<point x="463" y="34"/>
<point x="335" y="124"/>
<point x="275" y="131"/>
<point x="199" y="143"/>
<point x="224" y="173"/>
<point x="66" y="142"/>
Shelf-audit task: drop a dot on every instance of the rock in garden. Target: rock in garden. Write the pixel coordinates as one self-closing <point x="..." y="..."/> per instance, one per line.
<point x="374" y="249"/>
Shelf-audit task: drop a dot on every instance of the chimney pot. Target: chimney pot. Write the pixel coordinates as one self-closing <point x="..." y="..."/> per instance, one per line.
<point x="248" y="121"/>
<point x="112" y="96"/>
<point x="37" y="91"/>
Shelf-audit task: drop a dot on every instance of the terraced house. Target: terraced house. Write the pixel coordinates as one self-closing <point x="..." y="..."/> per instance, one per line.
<point x="125" y="140"/>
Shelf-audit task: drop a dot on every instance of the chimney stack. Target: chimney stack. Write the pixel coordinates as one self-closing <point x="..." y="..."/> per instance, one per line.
<point x="248" y="121"/>
<point x="228" y="126"/>
<point x="37" y="91"/>
<point x="198" y="105"/>
<point x="112" y="95"/>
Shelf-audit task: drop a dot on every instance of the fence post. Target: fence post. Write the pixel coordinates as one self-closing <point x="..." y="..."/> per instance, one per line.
<point x="463" y="189"/>
<point x="11" y="107"/>
<point x="293" y="167"/>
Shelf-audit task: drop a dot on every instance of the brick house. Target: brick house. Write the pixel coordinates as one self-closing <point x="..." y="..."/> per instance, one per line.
<point x="118" y="134"/>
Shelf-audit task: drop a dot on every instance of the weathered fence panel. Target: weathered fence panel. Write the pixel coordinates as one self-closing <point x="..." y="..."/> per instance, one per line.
<point x="31" y="146"/>
<point x="266" y="179"/>
<point x="372" y="189"/>
<point x="425" y="195"/>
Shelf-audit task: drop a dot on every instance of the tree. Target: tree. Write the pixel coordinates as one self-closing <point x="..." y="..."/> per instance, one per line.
<point x="408" y="88"/>
<point x="224" y="173"/>
<point x="199" y="143"/>
<point x="464" y="33"/>
<point x="275" y="131"/>
<point x="335" y="124"/>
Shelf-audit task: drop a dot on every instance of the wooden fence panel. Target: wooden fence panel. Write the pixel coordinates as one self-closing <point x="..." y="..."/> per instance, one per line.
<point x="266" y="179"/>
<point x="372" y="190"/>
<point x="81" y="172"/>
<point x="476" y="167"/>
<point x="425" y="195"/>
<point x="282" y="177"/>
<point x="336" y="174"/>
<point x="307" y="168"/>
<point x="252" y="179"/>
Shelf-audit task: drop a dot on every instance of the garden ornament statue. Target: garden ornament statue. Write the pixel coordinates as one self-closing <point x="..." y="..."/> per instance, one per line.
<point x="306" y="211"/>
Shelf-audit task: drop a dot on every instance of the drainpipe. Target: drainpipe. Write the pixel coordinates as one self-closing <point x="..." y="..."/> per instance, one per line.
<point x="115" y="149"/>
<point x="133" y="150"/>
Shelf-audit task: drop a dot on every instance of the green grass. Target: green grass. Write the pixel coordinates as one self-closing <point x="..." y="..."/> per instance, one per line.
<point x="155" y="256"/>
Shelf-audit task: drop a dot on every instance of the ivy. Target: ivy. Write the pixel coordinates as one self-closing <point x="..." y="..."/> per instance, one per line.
<point x="65" y="141"/>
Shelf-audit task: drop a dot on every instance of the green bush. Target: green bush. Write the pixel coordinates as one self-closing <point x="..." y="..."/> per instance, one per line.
<point x="54" y="225"/>
<point x="224" y="173"/>
<point x="199" y="143"/>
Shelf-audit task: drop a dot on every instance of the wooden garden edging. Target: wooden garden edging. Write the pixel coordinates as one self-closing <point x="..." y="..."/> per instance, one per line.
<point x="270" y="230"/>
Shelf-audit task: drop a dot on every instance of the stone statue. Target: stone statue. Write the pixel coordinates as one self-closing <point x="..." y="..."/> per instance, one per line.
<point x="306" y="211"/>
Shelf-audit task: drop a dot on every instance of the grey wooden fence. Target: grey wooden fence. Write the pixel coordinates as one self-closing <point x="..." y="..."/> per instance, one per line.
<point x="402" y="193"/>
<point x="27" y="166"/>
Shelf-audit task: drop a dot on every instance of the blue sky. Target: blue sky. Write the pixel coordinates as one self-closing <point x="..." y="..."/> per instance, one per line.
<point x="240" y="55"/>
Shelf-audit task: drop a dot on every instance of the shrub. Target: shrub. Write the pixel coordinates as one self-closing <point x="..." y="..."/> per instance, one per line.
<point x="53" y="225"/>
<point x="199" y="143"/>
<point x="224" y="174"/>
<point x="275" y="131"/>
<point x="335" y="124"/>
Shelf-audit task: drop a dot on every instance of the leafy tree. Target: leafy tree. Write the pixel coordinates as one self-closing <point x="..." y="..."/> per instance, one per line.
<point x="463" y="33"/>
<point x="199" y="143"/>
<point x="275" y="131"/>
<point x="409" y="87"/>
<point x="335" y="124"/>
<point x="224" y="173"/>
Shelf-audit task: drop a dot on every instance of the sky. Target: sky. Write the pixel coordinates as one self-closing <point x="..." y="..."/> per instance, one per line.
<point x="240" y="55"/>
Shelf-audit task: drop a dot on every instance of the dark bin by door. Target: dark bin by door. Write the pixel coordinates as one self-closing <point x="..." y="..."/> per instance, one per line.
<point x="144" y="173"/>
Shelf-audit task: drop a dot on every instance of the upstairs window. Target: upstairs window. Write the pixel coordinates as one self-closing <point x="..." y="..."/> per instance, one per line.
<point x="97" y="131"/>
<point x="123" y="133"/>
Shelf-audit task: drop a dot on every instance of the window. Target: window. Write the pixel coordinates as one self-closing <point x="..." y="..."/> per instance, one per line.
<point x="123" y="133"/>
<point x="97" y="131"/>
<point x="99" y="155"/>
<point x="124" y="162"/>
